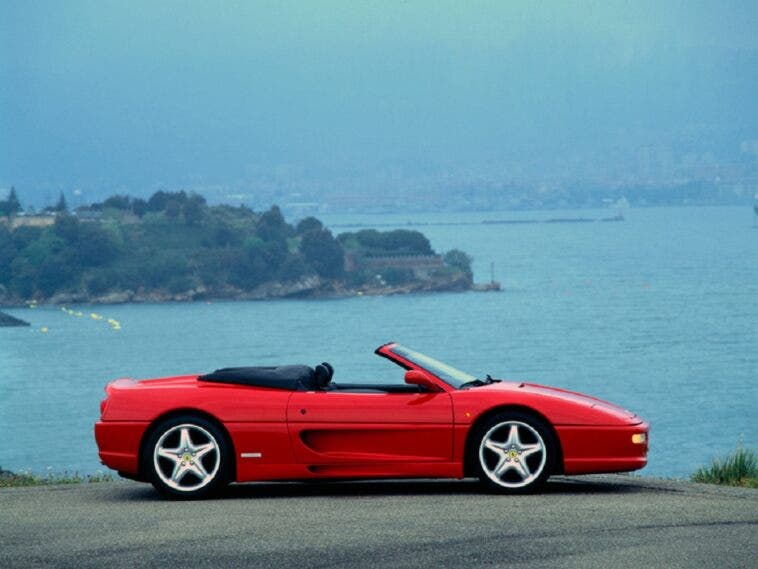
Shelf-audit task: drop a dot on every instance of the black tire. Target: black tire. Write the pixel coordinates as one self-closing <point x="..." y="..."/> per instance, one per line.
<point x="513" y="466"/>
<point x="195" y="460"/>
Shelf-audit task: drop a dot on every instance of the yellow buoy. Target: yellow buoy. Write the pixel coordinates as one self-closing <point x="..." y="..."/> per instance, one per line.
<point x="43" y="329"/>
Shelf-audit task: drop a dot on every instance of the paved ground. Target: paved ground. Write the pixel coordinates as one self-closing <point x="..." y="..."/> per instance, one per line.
<point x="602" y="521"/>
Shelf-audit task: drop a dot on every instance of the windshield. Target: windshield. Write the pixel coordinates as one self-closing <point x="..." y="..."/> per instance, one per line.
<point x="446" y="373"/>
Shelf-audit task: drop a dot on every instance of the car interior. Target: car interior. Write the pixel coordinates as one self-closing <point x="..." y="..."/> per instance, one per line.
<point x="302" y="378"/>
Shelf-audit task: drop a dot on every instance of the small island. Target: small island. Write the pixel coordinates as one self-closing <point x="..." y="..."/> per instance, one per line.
<point x="174" y="246"/>
<point x="6" y="320"/>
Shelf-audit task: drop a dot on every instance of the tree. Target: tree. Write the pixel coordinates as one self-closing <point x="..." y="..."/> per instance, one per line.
<point x="379" y="243"/>
<point x="14" y="206"/>
<point x="118" y="202"/>
<point x="459" y="260"/>
<point x="323" y="253"/>
<point x="67" y="228"/>
<point x="8" y="252"/>
<point x="173" y="208"/>
<point x="194" y="209"/>
<point x="139" y="207"/>
<point x="308" y="224"/>
<point x="407" y="242"/>
<point x="10" y="206"/>
<point x="272" y="227"/>
<point x="160" y="200"/>
<point x="96" y="246"/>
<point x="61" y="205"/>
<point x="222" y="234"/>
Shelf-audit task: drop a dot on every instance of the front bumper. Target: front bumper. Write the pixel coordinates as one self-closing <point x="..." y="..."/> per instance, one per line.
<point x="593" y="449"/>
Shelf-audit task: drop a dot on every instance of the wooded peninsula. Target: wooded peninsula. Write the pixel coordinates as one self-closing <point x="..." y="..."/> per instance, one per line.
<point x="174" y="246"/>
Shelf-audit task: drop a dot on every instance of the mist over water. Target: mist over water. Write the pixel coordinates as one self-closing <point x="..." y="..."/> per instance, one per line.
<point x="657" y="313"/>
<point x="285" y="97"/>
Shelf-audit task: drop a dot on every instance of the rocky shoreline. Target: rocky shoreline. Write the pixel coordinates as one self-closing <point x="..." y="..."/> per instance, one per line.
<point x="311" y="287"/>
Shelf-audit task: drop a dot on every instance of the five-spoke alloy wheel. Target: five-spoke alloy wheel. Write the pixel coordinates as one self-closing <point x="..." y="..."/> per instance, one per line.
<point x="514" y="453"/>
<point x="186" y="457"/>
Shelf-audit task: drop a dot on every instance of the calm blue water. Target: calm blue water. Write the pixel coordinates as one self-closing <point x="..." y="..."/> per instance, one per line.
<point x="658" y="314"/>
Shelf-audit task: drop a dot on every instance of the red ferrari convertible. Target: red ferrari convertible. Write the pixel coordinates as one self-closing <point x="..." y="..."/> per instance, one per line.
<point x="191" y="435"/>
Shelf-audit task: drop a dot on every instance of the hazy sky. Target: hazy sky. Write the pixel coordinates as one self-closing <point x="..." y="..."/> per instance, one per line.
<point x="141" y="93"/>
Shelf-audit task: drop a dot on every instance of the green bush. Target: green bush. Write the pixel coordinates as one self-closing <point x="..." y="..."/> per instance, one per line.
<point x="396" y="276"/>
<point x="373" y="243"/>
<point x="99" y="282"/>
<point x="460" y="261"/>
<point x="179" y="283"/>
<point x="359" y="278"/>
<point x="737" y="469"/>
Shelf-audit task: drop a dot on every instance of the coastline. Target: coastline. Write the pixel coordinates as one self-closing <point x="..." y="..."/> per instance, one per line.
<point x="309" y="288"/>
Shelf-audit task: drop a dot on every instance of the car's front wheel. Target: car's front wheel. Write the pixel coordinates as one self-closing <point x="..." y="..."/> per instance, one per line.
<point x="515" y="452"/>
<point x="187" y="457"/>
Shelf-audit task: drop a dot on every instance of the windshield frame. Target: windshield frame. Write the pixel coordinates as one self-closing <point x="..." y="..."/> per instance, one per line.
<point x="452" y="376"/>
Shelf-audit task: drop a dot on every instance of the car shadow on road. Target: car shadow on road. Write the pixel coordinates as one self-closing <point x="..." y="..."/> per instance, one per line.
<point x="348" y="489"/>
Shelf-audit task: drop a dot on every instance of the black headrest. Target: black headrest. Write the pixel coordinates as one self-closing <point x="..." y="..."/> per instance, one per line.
<point x="322" y="376"/>
<point x="329" y="367"/>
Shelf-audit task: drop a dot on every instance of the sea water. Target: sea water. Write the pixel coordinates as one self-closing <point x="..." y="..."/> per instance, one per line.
<point x="658" y="313"/>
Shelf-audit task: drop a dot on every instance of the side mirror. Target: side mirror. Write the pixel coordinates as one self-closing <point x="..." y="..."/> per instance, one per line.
<point x="421" y="378"/>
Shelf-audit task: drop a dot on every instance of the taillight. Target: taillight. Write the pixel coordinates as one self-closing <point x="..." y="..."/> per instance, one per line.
<point x="103" y="405"/>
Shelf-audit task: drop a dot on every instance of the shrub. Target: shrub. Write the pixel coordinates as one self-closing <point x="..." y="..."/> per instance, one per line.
<point x="99" y="282"/>
<point x="359" y="278"/>
<point x="379" y="243"/>
<point x="293" y="268"/>
<point x="460" y="261"/>
<point x="737" y="469"/>
<point x="396" y="276"/>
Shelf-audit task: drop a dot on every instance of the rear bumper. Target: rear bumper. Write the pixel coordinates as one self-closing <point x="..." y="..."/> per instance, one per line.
<point x="591" y="449"/>
<point x="118" y="444"/>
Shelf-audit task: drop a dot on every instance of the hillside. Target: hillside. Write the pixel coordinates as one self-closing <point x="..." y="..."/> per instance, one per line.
<point x="175" y="246"/>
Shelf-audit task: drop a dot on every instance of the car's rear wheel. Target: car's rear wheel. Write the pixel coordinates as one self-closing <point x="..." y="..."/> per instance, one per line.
<point x="515" y="452"/>
<point x="187" y="457"/>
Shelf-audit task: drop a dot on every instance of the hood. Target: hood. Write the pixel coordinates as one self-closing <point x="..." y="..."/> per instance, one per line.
<point x="555" y="393"/>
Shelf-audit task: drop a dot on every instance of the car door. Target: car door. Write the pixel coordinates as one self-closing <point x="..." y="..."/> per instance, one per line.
<point x="365" y="428"/>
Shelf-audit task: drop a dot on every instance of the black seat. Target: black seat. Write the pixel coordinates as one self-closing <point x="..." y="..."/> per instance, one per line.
<point x="290" y="377"/>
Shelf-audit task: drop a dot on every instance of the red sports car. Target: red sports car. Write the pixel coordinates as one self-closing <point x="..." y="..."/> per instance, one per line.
<point x="191" y="435"/>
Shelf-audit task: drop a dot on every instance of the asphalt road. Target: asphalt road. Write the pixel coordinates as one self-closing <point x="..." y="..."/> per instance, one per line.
<point x="605" y="522"/>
